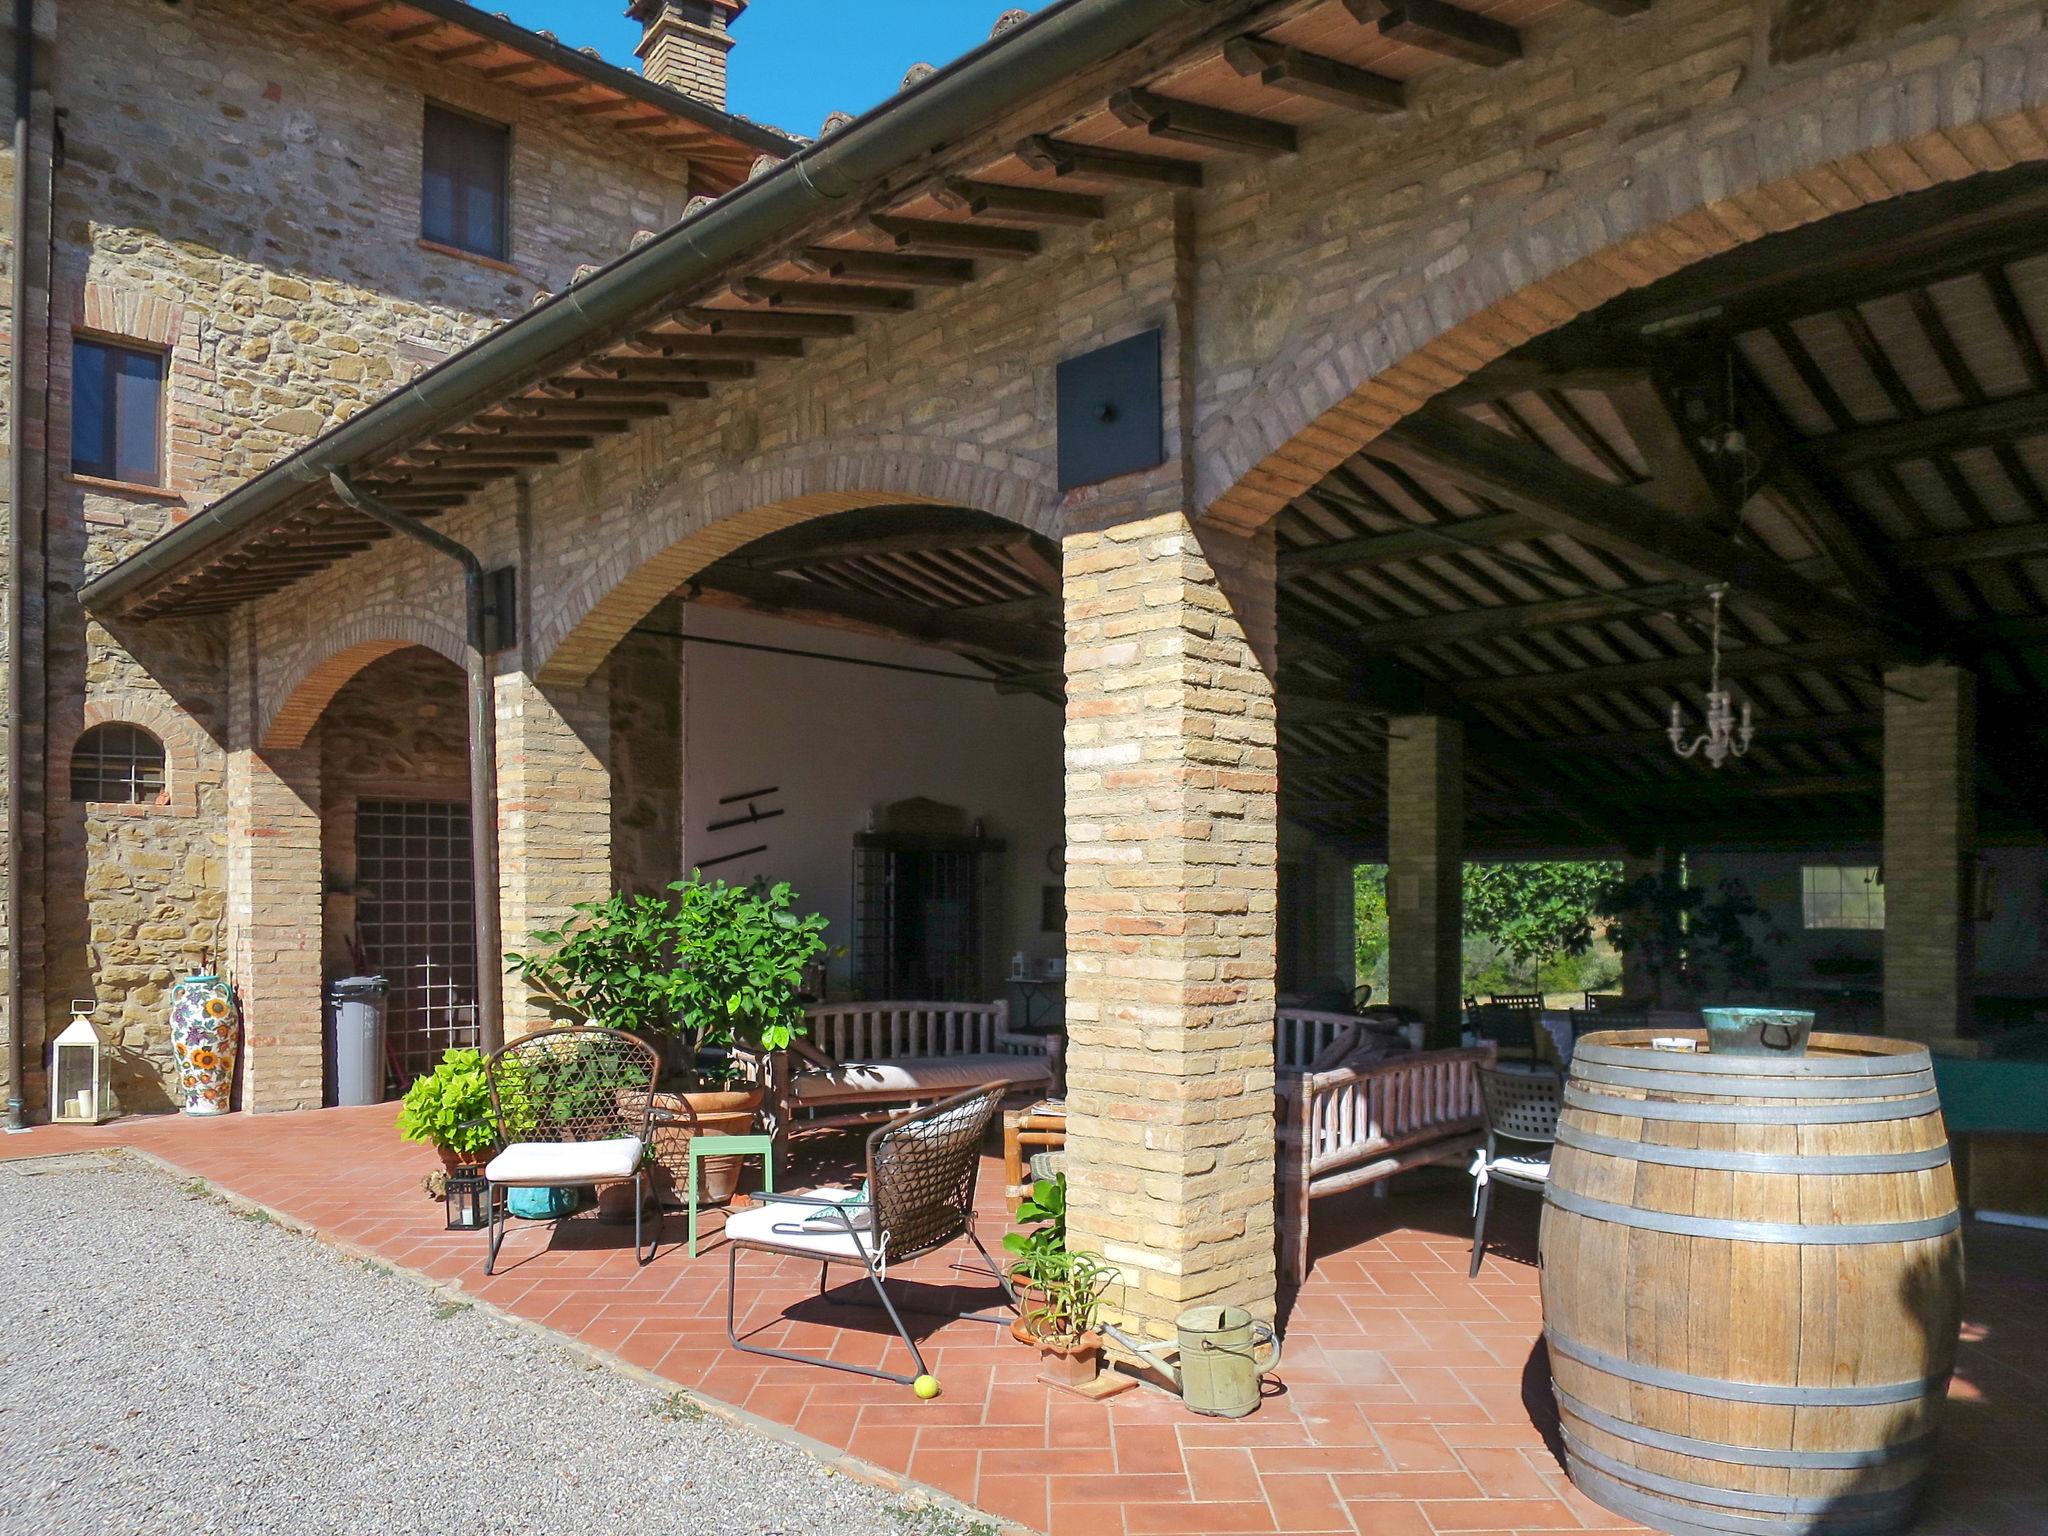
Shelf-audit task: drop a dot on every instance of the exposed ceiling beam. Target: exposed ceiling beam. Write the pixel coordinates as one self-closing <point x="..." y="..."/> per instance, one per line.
<point x="1442" y="29"/>
<point x="1370" y="549"/>
<point x="813" y="602"/>
<point x="1968" y="426"/>
<point x="2010" y="541"/>
<point x="1529" y="479"/>
<point x="755" y="322"/>
<point x="1311" y="75"/>
<point x="1043" y="204"/>
<point x="1062" y="157"/>
<point x="827" y="296"/>
<point x="942" y="238"/>
<point x="1189" y="122"/>
<point x="1675" y="671"/>
<point x="890" y="266"/>
<point x="1520" y="618"/>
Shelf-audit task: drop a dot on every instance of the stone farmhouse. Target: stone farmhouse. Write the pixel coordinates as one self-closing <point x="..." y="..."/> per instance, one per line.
<point x="1077" y="508"/>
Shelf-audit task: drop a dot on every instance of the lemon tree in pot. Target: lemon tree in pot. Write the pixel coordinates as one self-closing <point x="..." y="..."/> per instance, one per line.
<point x="450" y="1110"/>
<point x="710" y="974"/>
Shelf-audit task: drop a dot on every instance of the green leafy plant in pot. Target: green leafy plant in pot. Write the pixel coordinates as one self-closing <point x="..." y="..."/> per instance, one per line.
<point x="450" y="1110"/>
<point x="711" y="975"/>
<point x="1059" y="1290"/>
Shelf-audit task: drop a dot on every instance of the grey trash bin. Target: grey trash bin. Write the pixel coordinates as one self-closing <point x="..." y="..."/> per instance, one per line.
<point x="358" y="1010"/>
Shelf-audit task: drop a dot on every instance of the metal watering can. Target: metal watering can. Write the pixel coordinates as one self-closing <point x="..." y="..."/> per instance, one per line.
<point x="1218" y="1371"/>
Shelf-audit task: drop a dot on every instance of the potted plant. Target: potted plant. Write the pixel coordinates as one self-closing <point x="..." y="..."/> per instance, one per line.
<point x="1059" y="1291"/>
<point x="1060" y="1295"/>
<point x="1691" y="941"/>
<point x="450" y="1110"/>
<point x="710" y="974"/>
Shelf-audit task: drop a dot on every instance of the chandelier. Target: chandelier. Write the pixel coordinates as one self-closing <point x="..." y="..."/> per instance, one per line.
<point x="1722" y="739"/>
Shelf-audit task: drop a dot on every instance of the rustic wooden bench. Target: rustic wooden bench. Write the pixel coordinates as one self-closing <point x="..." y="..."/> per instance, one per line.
<point x="1344" y="1127"/>
<point x="862" y="1063"/>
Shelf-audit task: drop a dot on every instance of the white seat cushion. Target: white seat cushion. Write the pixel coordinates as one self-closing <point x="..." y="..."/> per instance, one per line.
<point x="1521" y="1166"/>
<point x="565" y="1162"/>
<point x="910" y="1076"/>
<point x="791" y="1228"/>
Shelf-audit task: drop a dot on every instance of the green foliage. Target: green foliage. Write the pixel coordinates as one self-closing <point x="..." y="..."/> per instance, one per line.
<point x="709" y="964"/>
<point x="451" y="1107"/>
<point x="1061" y="1292"/>
<point x="1536" y="912"/>
<point x="1525" y="924"/>
<point x="1694" y="940"/>
<point x="1044" y="1210"/>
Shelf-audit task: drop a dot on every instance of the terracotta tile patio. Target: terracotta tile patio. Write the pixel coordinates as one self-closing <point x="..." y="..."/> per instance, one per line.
<point x="1413" y="1402"/>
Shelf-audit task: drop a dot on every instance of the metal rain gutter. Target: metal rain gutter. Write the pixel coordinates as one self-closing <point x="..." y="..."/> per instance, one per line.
<point x="1060" y="41"/>
<point x="17" y="500"/>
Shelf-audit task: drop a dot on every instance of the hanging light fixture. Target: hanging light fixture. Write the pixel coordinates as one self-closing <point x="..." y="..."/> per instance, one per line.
<point x="1722" y="739"/>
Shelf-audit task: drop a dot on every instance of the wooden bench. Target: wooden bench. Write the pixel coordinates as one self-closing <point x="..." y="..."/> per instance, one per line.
<point x="1302" y="1037"/>
<point x="862" y="1063"/>
<point x="1344" y="1127"/>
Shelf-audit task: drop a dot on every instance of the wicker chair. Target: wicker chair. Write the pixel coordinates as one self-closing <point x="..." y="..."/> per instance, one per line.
<point x="1521" y="1107"/>
<point x="919" y="1197"/>
<point x="573" y="1107"/>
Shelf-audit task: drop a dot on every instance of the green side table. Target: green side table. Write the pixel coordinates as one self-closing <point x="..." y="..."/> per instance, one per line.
<point x="761" y="1146"/>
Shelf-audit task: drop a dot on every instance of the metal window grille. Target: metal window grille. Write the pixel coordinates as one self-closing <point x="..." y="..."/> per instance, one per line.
<point x="121" y="764"/>
<point x="917" y="923"/>
<point x="416" y="919"/>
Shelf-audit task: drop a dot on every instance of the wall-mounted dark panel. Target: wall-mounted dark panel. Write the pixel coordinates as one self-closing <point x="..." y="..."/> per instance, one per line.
<point x="1110" y="419"/>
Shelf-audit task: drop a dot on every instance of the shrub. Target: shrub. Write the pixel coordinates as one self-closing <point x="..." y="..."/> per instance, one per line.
<point x="450" y="1107"/>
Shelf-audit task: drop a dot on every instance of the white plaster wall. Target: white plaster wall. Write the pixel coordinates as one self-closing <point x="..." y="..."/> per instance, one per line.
<point x="841" y="740"/>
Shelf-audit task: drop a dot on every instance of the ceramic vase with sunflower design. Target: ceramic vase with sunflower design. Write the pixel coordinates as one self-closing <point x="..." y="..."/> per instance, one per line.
<point x="205" y="1034"/>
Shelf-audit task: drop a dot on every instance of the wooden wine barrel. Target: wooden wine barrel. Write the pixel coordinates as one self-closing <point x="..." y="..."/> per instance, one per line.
<point x="1752" y="1281"/>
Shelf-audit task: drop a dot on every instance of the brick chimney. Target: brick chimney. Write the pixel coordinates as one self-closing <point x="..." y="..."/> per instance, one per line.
<point x="683" y="44"/>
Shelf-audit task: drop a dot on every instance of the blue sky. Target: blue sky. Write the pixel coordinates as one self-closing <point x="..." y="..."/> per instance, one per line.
<point x="796" y="60"/>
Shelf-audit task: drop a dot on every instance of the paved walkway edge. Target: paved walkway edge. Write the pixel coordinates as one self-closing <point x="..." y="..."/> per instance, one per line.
<point x="917" y="1494"/>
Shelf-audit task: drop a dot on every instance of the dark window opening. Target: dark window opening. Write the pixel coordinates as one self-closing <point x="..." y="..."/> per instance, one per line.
<point x="118" y="765"/>
<point x="918" y="906"/>
<point x="465" y="170"/>
<point x="116" y="412"/>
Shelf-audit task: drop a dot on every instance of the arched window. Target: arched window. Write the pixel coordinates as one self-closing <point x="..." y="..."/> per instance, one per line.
<point x="118" y="764"/>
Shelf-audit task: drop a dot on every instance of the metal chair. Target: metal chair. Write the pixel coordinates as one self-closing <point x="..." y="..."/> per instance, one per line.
<point x="919" y="1196"/>
<point x="1521" y="1107"/>
<point x="573" y="1107"/>
<point x="1512" y="1030"/>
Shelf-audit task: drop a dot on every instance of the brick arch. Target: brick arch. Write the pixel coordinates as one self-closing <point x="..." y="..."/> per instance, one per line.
<point x="677" y="528"/>
<point x="290" y="706"/>
<point x="174" y="729"/>
<point x="1332" y="397"/>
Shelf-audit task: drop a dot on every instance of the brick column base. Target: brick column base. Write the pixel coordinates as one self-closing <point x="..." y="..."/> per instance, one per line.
<point x="1930" y="852"/>
<point x="274" y="924"/>
<point x="1171" y="782"/>
<point x="1426" y="870"/>
<point x="554" y="815"/>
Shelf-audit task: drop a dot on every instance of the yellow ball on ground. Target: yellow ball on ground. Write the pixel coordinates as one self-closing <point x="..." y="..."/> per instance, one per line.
<point x="926" y="1387"/>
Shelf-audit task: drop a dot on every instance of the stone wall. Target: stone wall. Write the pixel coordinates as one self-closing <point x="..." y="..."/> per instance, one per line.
<point x="240" y="188"/>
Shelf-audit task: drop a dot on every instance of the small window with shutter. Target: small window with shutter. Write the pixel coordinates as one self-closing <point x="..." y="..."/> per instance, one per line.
<point x="465" y="178"/>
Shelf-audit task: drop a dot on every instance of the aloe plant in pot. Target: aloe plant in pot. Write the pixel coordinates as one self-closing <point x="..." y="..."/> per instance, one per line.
<point x="1059" y="1290"/>
<point x="710" y="974"/>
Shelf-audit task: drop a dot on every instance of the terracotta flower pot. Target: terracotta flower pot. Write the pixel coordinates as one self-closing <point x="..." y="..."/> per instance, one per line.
<point x="615" y="1201"/>
<point x="681" y="1116"/>
<point x="1064" y="1365"/>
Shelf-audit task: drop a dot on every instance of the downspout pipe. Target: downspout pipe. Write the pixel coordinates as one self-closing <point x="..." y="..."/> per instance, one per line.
<point x="17" y="517"/>
<point x="483" y="754"/>
<point x="1058" y="42"/>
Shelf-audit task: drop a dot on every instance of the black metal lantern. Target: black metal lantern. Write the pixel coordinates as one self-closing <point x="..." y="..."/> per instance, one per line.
<point x="469" y="1200"/>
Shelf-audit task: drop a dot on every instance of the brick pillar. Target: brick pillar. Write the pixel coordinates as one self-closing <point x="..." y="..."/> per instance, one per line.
<point x="1336" y="924"/>
<point x="1171" y="786"/>
<point x="1930" y="851"/>
<point x="554" y="813"/>
<point x="1426" y="869"/>
<point x="274" y="918"/>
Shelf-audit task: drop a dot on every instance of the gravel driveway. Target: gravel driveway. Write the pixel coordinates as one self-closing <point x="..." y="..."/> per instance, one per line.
<point x="171" y="1365"/>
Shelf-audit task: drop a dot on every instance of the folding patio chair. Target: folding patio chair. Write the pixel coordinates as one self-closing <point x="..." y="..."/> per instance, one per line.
<point x="1521" y="1107"/>
<point x="573" y="1107"/>
<point x="919" y="1196"/>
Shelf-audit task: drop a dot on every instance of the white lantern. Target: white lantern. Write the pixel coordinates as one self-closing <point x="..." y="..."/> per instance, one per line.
<point x="78" y="1092"/>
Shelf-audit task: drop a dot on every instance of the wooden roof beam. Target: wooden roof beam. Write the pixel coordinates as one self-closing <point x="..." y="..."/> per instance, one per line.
<point x="1205" y="127"/>
<point x="1311" y="75"/>
<point x="1063" y="157"/>
<point x="889" y="266"/>
<point x="828" y="297"/>
<point x="1524" y="478"/>
<point x="1442" y="29"/>
<point x="1042" y="204"/>
<point x="1520" y="618"/>
<point x="938" y="237"/>
<point x="1680" y="671"/>
<point x="813" y="602"/>
<point x="754" y="322"/>
<point x="1967" y="426"/>
<point x="1371" y="549"/>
